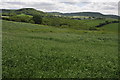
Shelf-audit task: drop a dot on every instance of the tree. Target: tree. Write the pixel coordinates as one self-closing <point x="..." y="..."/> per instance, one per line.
<point x="37" y="19"/>
<point x="22" y="18"/>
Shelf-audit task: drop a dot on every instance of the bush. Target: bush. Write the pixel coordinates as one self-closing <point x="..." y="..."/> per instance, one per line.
<point x="92" y="28"/>
<point x="22" y="18"/>
<point x="37" y="19"/>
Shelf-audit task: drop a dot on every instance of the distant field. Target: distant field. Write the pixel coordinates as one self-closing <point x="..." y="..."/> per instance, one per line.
<point x="92" y="23"/>
<point x="38" y="51"/>
<point x="23" y="15"/>
<point x="111" y="27"/>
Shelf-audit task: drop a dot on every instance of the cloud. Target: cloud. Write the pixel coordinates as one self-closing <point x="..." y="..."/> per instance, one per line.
<point x="106" y="8"/>
<point x="64" y="5"/>
<point x="16" y="3"/>
<point x="71" y="1"/>
<point x="60" y="1"/>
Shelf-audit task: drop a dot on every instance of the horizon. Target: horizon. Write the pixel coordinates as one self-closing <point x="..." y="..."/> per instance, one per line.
<point x="64" y="12"/>
<point x="69" y="6"/>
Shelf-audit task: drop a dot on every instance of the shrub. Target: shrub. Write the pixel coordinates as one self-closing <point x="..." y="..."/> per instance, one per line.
<point x="37" y="19"/>
<point x="21" y="18"/>
<point x="92" y="28"/>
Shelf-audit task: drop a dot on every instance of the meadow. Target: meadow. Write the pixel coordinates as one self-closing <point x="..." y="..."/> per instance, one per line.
<point x="39" y="51"/>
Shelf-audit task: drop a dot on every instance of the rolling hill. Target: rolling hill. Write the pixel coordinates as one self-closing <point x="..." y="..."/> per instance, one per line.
<point x="27" y="11"/>
<point x="38" y="51"/>
<point x="90" y="14"/>
<point x="32" y="11"/>
<point x="27" y="15"/>
<point x="58" y="47"/>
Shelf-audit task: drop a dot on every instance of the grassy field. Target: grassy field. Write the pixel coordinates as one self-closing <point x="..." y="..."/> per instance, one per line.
<point x="38" y="51"/>
<point x="94" y="22"/>
<point x="111" y="27"/>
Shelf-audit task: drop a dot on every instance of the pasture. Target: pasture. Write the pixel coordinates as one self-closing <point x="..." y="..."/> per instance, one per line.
<point x="38" y="51"/>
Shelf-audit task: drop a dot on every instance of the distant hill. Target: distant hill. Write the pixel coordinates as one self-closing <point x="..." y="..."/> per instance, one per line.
<point x="32" y="11"/>
<point x="90" y="14"/>
<point x="54" y="13"/>
<point x="30" y="15"/>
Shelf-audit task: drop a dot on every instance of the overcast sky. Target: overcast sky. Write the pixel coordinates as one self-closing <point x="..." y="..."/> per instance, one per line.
<point x="64" y="6"/>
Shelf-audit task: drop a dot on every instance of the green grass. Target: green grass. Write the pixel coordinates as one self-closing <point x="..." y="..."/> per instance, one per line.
<point x="94" y="22"/>
<point x="24" y="15"/>
<point x="111" y="27"/>
<point x="38" y="51"/>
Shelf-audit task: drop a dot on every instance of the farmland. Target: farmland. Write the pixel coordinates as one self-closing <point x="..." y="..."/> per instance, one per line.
<point x="42" y="51"/>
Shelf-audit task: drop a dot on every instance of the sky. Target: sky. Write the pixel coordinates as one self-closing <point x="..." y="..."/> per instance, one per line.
<point x="64" y="6"/>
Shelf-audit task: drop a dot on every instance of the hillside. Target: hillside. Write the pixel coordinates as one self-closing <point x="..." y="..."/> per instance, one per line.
<point x="37" y="44"/>
<point x="38" y="51"/>
<point x="30" y="15"/>
<point x="27" y="11"/>
<point x="111" y="27"/>
<point x="31" y="11"/>
<point x="89" y="14"/>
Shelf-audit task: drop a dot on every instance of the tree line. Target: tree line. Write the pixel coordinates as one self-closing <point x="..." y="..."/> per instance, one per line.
<point x="36" y="19"/>
<point x="107" y="22"/>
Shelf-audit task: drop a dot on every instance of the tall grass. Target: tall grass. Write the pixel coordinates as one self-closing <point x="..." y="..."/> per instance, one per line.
<point x="37" y="51"/>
